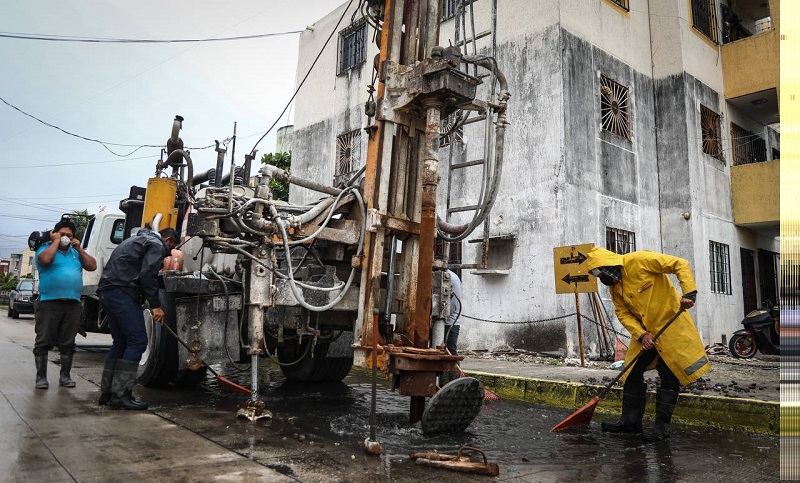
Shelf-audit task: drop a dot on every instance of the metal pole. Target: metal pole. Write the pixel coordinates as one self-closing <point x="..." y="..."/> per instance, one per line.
<point x="580" y="327"/>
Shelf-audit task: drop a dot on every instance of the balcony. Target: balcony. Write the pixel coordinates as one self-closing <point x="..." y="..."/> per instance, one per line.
<point x="755" y="189"/>
<point x="750" y="54"/>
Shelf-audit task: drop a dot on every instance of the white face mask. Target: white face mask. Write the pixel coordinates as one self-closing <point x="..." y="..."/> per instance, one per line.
<point x="64" y="243"/>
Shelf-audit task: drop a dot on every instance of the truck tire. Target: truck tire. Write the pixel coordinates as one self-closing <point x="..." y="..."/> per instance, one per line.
<point x="159" y="365"/>
<point x="329" y="361"/>
<point x="339" y="359"/>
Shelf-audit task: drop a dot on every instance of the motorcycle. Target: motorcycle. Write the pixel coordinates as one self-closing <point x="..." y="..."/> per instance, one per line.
<point x="761" y="333"/>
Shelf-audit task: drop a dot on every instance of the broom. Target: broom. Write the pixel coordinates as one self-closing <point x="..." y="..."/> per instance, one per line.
<point x="223" y="383"/>
<point x="583" y="416"/>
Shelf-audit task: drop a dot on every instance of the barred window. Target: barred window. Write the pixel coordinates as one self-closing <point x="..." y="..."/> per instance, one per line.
<point x="615" y="114"/>
<point x="450" y="7"/>
<point x="620" y="241"/>
<point x="704" y="18"/>
<point x="748" y="147"/>
<point x="711" y="132"/>
<point x="446" y="131"/>
<point x="623" y="4"/>
<point x="720" y="259"/>
<point x="352" y="46"/>
<point x="348" y="152"/>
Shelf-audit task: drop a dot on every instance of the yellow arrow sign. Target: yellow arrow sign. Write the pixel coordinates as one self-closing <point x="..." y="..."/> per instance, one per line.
<point x="571" y="274"/>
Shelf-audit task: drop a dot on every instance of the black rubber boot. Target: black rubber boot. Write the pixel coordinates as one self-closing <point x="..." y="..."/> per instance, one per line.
<point x="666" y="400"/>
<point x="66" y="367"/>
<point x="634" y="398"/>
<point x="122" y="386"/>
<point x="41" y="372"/>
<point x="105" y="381"/>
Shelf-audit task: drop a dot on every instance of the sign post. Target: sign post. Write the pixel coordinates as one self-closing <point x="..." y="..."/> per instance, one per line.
<point x="572" y="276"/>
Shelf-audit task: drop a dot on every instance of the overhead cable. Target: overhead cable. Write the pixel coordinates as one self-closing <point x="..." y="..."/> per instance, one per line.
<point x="107" y="40"/>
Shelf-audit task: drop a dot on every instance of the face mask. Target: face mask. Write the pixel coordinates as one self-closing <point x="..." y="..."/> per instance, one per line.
<point x="64" y="243"/>
<point x="607" y="281"/>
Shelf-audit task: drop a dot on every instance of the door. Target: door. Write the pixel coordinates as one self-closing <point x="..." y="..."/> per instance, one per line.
<point x="749" y="280"/>
<point x="768" y="275"/>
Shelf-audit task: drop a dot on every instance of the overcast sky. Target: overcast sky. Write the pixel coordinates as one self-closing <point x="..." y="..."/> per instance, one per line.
<point x="130" y="93"/>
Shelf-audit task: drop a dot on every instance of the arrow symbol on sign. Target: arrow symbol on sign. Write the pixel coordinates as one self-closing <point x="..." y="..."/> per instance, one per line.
<point x="579" y="259"/>
<point x="570" y="279"/>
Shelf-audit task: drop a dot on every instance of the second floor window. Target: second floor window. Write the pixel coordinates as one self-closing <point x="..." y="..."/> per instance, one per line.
<point x="712" y="134"/>
<point x="448" y="131"/>
<point x="704" y="18"/>
<point x="620" y="241"/>
<point x="623" y="4"/>
<point x="747" y="146"/>
<point x="352" y="46"/>
<point x="720" y="259"/>
<point x="615" y="110"/>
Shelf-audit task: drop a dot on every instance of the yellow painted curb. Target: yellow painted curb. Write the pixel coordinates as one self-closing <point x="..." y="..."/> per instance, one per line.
<point x="738" y="414"/>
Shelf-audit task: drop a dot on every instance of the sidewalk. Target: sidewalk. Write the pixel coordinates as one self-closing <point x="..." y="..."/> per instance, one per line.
<point x="735" y="394"/>
<point x="61" y="434"/>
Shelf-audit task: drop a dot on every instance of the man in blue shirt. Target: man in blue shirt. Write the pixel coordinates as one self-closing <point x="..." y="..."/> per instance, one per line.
<point x="57" y="313"/>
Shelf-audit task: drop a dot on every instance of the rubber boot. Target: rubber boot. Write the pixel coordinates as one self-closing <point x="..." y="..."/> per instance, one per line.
<point x="634" y="398"/>
<point x="666" y="400"/>
<point x="41" y="372"/>
<point x="66" y="366"/>
<point x="122" y="386"/>
<point x="105" y="381"/>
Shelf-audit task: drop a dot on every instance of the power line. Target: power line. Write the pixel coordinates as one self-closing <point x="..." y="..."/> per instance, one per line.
<point x="20" y="217"/>
<point x="107" y="40"/>
<point x="71" y="197"/>
<point x="74" y="164"/>
<point x="335" y="29"/>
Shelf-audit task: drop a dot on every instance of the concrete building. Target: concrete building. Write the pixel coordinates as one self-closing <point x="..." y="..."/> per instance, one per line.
<point x="27" y="266"/>
<point x="16" y="262"/>
<point x="635" y="125"/>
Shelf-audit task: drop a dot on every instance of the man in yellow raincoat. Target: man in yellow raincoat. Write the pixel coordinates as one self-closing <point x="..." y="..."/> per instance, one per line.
<point x="645" y="299"/>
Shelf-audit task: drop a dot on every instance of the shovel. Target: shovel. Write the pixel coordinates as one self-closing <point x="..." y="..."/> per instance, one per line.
<point x="583" y="416"/>
<point x="223" y="383"/>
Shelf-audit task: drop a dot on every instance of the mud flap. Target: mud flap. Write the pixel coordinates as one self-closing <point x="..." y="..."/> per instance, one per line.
<point x="453" y="408"/>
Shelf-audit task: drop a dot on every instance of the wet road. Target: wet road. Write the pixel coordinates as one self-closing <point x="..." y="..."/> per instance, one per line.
<point x="317" y="431"/>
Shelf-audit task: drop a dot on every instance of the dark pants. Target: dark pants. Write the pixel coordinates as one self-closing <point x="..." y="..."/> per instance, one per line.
<point x="56" y="323"/>
<point x="668" y="379"/>
<point x="451" y="338"/>
<point x="126" y="322"/>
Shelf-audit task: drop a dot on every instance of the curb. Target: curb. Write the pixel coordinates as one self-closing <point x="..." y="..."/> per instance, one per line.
<point x="737" y="414"/>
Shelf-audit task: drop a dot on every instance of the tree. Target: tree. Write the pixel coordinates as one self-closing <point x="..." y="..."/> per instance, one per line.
<point x="81" y="219"/>
<point x="280" y="189"/>
<point x="7" y="280"/>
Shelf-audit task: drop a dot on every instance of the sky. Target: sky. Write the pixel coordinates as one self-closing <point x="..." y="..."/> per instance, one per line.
<point x="130" y="93"/>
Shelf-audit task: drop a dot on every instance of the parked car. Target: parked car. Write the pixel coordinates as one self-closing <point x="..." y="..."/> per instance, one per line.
<point x="20" y="300"/>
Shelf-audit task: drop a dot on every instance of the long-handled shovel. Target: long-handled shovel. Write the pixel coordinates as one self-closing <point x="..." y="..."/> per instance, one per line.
<point x="583" y="416"/>
<point x="223" y="383"/>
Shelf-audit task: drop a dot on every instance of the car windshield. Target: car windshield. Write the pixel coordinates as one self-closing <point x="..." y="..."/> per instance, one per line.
<point x="26" y="286"/>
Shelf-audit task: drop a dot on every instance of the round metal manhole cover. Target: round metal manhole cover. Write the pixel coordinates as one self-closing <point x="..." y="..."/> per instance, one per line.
<point x="454" y="407"/>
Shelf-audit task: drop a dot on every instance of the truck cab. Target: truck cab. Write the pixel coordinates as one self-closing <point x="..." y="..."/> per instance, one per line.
<point x="104" y="232"/>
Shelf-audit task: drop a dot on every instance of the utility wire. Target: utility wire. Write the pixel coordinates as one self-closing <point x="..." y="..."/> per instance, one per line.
<point x="106" y="40"/>
<point x="335" y="29"/>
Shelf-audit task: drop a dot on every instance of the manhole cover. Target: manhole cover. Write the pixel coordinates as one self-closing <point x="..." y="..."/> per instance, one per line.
<point x="454" y="407"/>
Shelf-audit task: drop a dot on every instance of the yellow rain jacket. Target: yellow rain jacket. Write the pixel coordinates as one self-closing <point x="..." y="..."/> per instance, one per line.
<point x="645" y="299"/>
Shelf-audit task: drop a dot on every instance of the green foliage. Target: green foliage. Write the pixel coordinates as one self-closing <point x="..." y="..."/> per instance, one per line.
<point x="280" y="189"/>
<point x="8" y="281"/>
<point x="81" y="219"/>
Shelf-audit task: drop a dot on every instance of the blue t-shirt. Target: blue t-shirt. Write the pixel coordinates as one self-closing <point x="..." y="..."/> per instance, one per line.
<point x="63" y="278"/>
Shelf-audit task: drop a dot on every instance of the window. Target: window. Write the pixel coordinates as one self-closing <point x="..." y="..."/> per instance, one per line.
<point x="450" y="7"/>
<point x="615" y="115"/>
<point x="623" y="4"/>
<point x="720" y="259"/>
<point x="747" y="146"/>
<point x="352" y="46"/>
<point x="447" y="133"/>
<point x="710" y="127"/>
<point x="118" y="232"/>
<point x="348" y="152"/>
<point x="620" y="241"/>
<point x="704" y="18"/>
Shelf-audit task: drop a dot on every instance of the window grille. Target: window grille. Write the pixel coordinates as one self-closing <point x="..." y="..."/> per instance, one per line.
<point x="450" y="7"/>
<point x="704" y="18"/>
<point x="352" y="46"/>
<point x="710" y="127"/>
<point x="747" y="146"/>
<point x="620" y="241"/>
<point x="446" y="131"/>
<point x="615" y="115"/>
<point x="348" y="152"/>
<point x="720" y="259"/>
<point x="623" y="4"/>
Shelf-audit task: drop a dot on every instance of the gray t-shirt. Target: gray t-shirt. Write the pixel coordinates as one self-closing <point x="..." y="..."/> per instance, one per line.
<point x="455" y="303"/>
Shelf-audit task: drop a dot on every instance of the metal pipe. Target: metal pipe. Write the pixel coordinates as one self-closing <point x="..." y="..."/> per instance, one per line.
<point x="220" y="164"/>
<point x="387" y="313"/>
<point x="233" y="173"/>
<point x="275" y="172"/>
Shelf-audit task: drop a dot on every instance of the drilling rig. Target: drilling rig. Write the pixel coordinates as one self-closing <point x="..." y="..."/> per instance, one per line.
<point x="350" y="279"/>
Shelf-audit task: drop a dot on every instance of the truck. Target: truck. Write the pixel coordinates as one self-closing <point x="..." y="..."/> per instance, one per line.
<point x="349" y="279"/>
